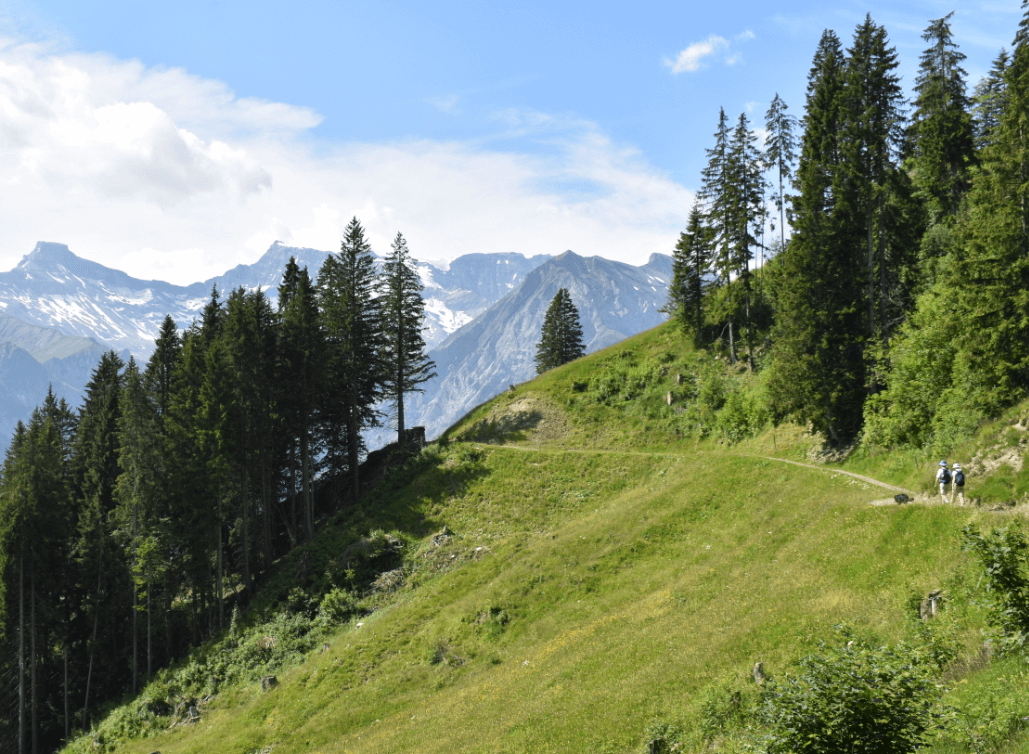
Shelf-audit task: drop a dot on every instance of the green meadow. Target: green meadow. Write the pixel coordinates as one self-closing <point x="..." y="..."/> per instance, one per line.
<point x="580" y="563"/>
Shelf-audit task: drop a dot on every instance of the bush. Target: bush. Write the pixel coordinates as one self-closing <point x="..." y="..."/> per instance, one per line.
<point x="1004" y="555"/>
<point x="855" y="698"/>
<point x="336" y="607"/>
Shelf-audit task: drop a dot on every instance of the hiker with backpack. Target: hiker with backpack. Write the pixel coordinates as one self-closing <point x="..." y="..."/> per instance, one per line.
<point x="943" y="478"/>
<point x="959" y="485"/>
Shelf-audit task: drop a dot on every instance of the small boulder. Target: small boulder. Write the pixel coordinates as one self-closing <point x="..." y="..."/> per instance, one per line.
<point x="759" y="673"/>
<point x="269" y="682"/>
<point x="901" y="499"/>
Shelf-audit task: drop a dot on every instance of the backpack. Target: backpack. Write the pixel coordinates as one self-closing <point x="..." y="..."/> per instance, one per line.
<point x="959" y="478"/>
<point x="945" y="479"/>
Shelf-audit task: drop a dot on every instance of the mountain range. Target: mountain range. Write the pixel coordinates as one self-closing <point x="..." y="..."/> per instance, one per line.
<point x="59" y="312"/>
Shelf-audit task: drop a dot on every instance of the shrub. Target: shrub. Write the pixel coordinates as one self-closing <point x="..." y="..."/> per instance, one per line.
<point x="855" y="698"/>
<point x="336" y="607"/>
<point x="1004" y="555"/>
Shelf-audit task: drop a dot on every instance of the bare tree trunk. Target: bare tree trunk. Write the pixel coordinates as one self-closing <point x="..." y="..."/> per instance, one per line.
<point x="293" y="495"/>
<point x="21" y="650"/>
<point x="308" y="496"/>
<point x="92" y="645"/>
<point x="35" y="683"/>
<point x="246" y="526"/>
<point x="220" y="579"/>
<point x="266" y="503"/>
<point x="149" y="633"/>
<point x="353" y="449"/>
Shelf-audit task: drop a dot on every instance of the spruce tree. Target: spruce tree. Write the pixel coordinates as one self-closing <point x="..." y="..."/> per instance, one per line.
<point x="690" y="263"/>
<point x="988" y="102"/>
<point x="780" y="154"/>
<point x="405" y="364"/>
<point x="351" y="322"/>
<point x="940" y="134"/>
<point x="872" y="126"/>
<point x="300" y="361"/>
<point x="715" y="194"/>
<point x="560" y="335"/>
<point x="818" y="369"/>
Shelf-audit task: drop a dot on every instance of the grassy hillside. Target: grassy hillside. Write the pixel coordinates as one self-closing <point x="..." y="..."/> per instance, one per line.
<point x="577" y="562"/>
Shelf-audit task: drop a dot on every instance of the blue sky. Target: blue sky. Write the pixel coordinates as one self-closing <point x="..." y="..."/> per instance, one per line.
<point x="176" y="140"/>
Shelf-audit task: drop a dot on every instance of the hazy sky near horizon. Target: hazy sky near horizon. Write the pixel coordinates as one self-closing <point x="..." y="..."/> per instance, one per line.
<point x="177" y="140"/>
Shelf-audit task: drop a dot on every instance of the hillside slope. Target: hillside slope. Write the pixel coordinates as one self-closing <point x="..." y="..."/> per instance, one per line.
<point x="570" y="569"/>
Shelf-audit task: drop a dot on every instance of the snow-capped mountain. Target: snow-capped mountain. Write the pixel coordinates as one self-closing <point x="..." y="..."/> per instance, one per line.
<point x="496" y="349"/>
<point x="33" y="358"/>
<point x="52" y="287"/>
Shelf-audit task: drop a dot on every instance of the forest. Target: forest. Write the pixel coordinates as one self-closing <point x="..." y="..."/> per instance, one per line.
<point x="892" y="308"/>
<point x="131" y="528"/>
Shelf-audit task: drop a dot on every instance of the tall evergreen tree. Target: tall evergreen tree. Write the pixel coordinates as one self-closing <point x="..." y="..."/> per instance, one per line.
<point x="941" y="130"/>
<point x="746" y="205"/>
<point x="872" y="125"/>
<point x="818" y="370"/>
<point x="300" y="361"/>
<point x="780" y="154"/>
<point x="560" y="335"/>
<point x="691" y="261"/>
<point x="351" y="323"/>
<point x="989" y="101"/>
<point x="405" y="364"/>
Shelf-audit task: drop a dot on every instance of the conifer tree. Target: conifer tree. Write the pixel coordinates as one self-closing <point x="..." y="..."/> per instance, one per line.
<point x="746" y="213"/>
<point x="560" y="335"/>
<point x="405" y="364"/>
<point x="941" y="130"/>
<point x="300" y="352"/>
<point x="989" y="101"/>
<point x="351" y="323"/>
<point x="690" y="263"/>
<point x="872" y="133"/>
<point x="818" y="370"/>
<point x="780" y="154"/>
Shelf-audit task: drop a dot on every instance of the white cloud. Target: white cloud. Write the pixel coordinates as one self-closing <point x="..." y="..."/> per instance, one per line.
<point x="690" y="59"/>
<point x="167" y="175"/>
<point x="447" y="104"/>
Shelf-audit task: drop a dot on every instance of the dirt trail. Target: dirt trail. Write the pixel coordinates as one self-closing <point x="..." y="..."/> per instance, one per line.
<point x="544" y="449"/>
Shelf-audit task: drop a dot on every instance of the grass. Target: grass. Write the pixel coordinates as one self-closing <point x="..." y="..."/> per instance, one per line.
<point x="640" y="569"/>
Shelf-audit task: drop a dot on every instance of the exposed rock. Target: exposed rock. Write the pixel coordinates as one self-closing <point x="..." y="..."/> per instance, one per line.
<point x="269" y="682"/>
<point x="930" y="606"/>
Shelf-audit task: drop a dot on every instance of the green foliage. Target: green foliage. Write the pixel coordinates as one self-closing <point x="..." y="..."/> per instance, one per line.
<point x="858" y="697"/>
<point x="1004" y="557"/>
<point x="560" y="335"/>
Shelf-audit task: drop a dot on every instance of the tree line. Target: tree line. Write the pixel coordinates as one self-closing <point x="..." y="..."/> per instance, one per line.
<point x="895" y="310"/>
<point x="130" y="527"/>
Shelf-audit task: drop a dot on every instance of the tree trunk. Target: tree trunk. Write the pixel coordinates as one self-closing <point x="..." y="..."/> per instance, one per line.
<point x="246" y="527"/>
<point x="149" y="633"/>
<point x="306" y="484"/>
<point x="871" y="275"/>
<point x="135" y="602"/>
<point x="266" y="503"/>
<point x="220" y="579"/>
<point x="21" y="650"/>
<point x="92" y="645"/>
<point x="353" y="448"/>
<point x="35" y="683"/>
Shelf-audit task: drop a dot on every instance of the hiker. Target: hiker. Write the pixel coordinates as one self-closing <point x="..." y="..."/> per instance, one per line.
<point x="959" y="485"/>
<point x="943" y="477"/>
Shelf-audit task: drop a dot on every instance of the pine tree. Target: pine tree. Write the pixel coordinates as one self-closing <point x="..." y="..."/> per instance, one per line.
<point x="690" y="263"/>
<point x="989" y="102"/>
<point x="871" y="140"/>
<point x="780" y="154"/>
<point x="351" y="322"/>
<point x="300" y="364"/>
<point x="746" y="205"/>
<point x="818" y="370"/>
<point x="941" y="130"/>
<point x="405" y="365"/>
<point x="715" y="194"/>
<point x="560" y="335"/>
